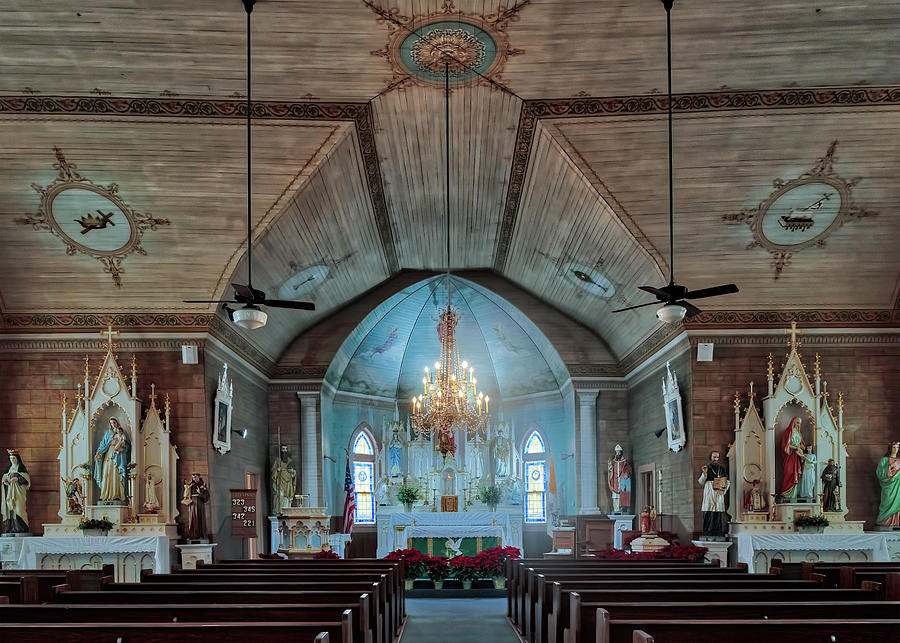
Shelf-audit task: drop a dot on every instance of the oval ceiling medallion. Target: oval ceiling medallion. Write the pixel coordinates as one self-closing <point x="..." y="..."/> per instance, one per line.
<point x="467" y="49"/>
<point x="589" y="279"/>
<point x="303" y="281"/>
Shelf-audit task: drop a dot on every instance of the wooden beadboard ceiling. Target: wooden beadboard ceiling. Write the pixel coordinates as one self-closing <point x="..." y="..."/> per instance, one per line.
<point x="357" y="187"/>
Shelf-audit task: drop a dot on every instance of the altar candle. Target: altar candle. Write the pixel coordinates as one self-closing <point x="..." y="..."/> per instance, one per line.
<point x="474" y="386"/>
<point x="425" y="385"/>
<point x="487" y="404"/>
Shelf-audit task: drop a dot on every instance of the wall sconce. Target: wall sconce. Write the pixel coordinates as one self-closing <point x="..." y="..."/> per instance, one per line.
<point x="241" y="432"/>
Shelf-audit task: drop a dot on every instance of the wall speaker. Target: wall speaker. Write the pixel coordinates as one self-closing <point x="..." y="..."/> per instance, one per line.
<point x="705" y="352"/>
<point x="188" y="354"/>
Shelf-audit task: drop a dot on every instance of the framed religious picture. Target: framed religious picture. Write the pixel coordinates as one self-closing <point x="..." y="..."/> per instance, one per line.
<point x="675" y="431"/>
<point x="222" y="407"/>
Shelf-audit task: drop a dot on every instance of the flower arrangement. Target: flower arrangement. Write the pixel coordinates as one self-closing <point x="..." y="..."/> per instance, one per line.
<point x="101" y="524"/>
<point x="690" y="553"/>
<point x="490" y="496"/>
<point x="464" y="568"/>
<point x="407" y="495"/>
<point x="414" y="560"/>
<point x="492" y="561"/>
<point x="326" y="554"/>
<point x="437" y="568"/>
<point x="811" y="521"/>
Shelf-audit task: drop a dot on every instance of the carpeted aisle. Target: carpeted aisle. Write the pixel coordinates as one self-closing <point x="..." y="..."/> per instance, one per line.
<point x="457" y="620"/>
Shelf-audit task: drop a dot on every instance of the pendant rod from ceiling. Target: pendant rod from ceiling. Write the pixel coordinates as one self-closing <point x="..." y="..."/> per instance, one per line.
<point x="668" y="5"/>
<point x="248" y="7"/>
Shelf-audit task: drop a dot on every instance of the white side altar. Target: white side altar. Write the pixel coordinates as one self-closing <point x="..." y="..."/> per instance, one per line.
<point x="758" y="550"/>
<point x="128" y="554"/>
<point x="396" y="526"/>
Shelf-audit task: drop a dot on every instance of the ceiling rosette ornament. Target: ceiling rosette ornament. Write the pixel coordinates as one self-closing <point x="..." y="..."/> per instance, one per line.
<point x="802" y="212"/>
<point x="90" y="219"/>
<point x="473" y="46"/>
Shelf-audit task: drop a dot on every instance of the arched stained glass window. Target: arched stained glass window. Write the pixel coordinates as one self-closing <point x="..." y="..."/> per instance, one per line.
<point x="363" y="470"/>
<point x="535" y="479"/>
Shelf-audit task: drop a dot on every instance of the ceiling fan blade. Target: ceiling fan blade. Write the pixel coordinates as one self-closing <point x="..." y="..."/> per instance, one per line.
<point x="243" y="291"/>
<point x="209" y="301"/>
<point x="690" y="308"/>
<point x="711" y="292"/>
<point x="284" y="303"/>
<point x="649" y="303"/>
<point x="662" y="294"/>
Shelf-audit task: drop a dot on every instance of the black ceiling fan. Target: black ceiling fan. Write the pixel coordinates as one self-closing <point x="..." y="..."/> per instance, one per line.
<point x="250" y="315"/>
<point x="674" y="295"/>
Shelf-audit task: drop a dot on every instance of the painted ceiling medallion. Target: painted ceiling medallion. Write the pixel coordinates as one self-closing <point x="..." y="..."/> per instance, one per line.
<point x="472" y="44"/>
<point x="90" y="219"/>
<point x="802" y="212"/>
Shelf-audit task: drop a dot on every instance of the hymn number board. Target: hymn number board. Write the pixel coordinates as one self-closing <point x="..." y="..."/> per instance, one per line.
<point x="243" y="513"/>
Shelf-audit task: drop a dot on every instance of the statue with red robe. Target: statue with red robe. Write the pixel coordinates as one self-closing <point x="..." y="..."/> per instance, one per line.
<point x="791" y="447"/>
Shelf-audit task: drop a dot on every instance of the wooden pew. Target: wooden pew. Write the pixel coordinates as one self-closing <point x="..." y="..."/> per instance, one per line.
<point x="229" y="597"/>
<point x="852" y="577"/>
<point x="277" y="632"/>
<point x="192" y="613"/>
<point x="550" y="617"/>
<point x="582" y="625"/>
<point x="746" y="630"/>
<point x="20" y="589"/>
<point x="805" y="568"/>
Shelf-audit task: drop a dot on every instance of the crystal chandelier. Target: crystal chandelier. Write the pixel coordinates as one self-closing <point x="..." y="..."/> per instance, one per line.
<point x="450" y="398"/>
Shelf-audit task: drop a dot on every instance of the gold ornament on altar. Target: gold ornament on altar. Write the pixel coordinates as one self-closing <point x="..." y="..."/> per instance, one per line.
<point x="450" y="398"/>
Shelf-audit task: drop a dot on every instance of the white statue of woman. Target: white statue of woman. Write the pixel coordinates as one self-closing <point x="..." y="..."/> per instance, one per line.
<point x="808" y="477"/>
<point x="111" y="462"/>
<point x="151" y="500"/>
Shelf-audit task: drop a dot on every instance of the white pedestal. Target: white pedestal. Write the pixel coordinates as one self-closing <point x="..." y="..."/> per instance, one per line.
<point x="758" y="550"/>
<point x="128" y="554"/>
<point x="623" y="522"/>
<point x="718" y="550"/>
<point x="190" y="554"/>
<point x="9" y="552"/>
<point x="650" y="542"/>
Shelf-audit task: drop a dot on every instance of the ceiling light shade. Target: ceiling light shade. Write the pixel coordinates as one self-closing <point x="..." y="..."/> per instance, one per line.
<point x="252" y="317"/>
<point x="671" y="313"/>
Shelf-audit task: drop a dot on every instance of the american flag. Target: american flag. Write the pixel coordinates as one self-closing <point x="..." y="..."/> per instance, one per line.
<point x="349" y="501"/>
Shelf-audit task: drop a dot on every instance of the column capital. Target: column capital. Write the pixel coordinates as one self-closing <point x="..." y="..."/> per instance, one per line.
<point x="587" y="396"/>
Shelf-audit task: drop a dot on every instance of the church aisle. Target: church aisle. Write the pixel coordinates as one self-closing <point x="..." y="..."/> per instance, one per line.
<point x="457" y="620"/>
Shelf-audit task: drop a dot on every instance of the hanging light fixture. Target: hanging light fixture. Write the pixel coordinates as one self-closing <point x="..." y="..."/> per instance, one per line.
<point x="450" y="399"/>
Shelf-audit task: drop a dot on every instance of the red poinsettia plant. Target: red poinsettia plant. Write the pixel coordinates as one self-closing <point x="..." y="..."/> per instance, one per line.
<point x="414" y="560"/>
<point x="465" y="568"/>
<point x="326" y="554"/>
<point x="437" y="567"/>
<point x="492" y="561"/>
<point x="690" y="553"/>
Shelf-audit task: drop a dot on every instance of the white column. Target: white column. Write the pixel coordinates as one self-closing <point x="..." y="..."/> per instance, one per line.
<point x="586" y="401"/>
<point x="310" y="443"/>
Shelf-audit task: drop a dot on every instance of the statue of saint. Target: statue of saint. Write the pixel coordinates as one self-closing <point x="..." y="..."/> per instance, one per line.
<point x="714" y="479"/>
<point x="755" y="499"/>
<point x="618" y="477"/>
<point x="74" y="496"/>
<point x="284" y="480"/>
<point x="151" y="500"/>
<point x="111" y="463"/>
<point x="395" y="454"/>
<point x="888" y="467"/>
<point x="647" y="521"/>
<point x="14" y="486"/>
<point x="808" y="477"/>
<point x="382" y="492"/>
<point x="502" y="453"/>
<point x="196" y="495"/>
<point x="831" y="480"/>
<point x="792" y="448"/>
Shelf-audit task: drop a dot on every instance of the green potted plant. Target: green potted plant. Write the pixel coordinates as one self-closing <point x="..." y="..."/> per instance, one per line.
<point x="407" y="496"/>
<point x="465" y="569"/>
<point x="95" y="527"/>
<point x="490" y="496"/>
<point x="811" y="524"/>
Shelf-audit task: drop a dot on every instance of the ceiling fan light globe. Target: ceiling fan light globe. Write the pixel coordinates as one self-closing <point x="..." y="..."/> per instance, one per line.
<point x="250" y="318"/>
<point x="671" y="313"/>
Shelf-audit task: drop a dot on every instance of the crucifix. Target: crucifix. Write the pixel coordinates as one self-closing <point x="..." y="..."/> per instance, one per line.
<point x="109" y="333"/>
<point x="793" y="332"/>
<point x="152" y="393"/>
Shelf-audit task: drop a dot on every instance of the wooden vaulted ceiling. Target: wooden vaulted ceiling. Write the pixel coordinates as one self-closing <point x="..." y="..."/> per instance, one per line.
<point x="558" y="164"/>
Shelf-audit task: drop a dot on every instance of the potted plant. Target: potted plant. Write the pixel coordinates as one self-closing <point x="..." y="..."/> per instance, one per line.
<point x="437" y="568"/>
<point x="489" y="496"/>
<point x="413" y="560"/>
<point x="95" y="527"/>
<point x="407" y="496"/>
<point x="326" y="554"/>
<point x="492" y="563"/>
<point x="465" y="569"/>
<point x="811" y="524"/>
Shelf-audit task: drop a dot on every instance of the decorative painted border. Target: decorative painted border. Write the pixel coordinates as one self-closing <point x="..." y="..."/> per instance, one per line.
<point x="655" y="341"/>
<point x="779" y="318"/>
<point x="123" y="322"/>
<point x="316" y="371"/>
<point x="226" y="333"/>
<point x="81" y="345"/>
<point x="534" y="110"/>
<point x="359" y="113"/>
<point x="840" y="340"/>
<point x="594" y="370"/>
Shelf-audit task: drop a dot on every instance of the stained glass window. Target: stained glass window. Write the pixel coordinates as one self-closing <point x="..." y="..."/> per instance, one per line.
<point x="535" y="479"/>
<point x="363" y="471"/>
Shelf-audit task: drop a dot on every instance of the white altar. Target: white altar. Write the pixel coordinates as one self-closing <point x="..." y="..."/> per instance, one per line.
<point x="128" y="554"/>
<point x="758" y="550"/>
<point x="396" y="526"/>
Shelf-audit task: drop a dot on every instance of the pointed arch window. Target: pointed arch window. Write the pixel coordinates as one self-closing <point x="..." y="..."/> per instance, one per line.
<point x="535" y="457"/>
<point x="362" y="466"/>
